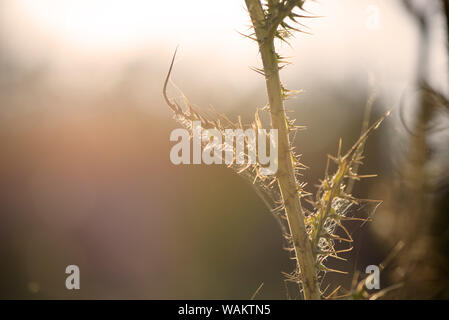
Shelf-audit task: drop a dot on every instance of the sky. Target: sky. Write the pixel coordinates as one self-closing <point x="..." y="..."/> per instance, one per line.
<point x="351" y="39"/>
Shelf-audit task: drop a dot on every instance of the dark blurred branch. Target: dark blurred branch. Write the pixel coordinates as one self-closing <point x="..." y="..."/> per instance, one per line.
<point x="416" y="198"/>
<point x="445" y="4"/>
<point x="420" y="18"/>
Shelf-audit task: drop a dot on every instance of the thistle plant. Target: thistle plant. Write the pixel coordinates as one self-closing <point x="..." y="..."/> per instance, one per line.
<point x="310" y="231"/>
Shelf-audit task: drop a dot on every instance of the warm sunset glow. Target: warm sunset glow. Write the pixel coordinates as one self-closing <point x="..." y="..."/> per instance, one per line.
<point x="113" y="23"/>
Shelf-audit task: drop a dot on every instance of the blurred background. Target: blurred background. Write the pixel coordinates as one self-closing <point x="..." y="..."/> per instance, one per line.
<point x="85" y="175"/>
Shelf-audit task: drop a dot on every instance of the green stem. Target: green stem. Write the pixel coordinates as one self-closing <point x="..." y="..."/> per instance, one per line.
<point x="286" y="174"/>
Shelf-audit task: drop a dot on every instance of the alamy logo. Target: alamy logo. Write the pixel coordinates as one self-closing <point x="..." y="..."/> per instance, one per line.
<point x="373" y="280"/>
<point x="372" y="21"/>
<point x="72" y="282"/>
<point x="210" y="146"/>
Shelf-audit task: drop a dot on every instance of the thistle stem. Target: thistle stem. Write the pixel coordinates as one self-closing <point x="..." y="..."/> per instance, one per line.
<point x="286" y="175"/>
